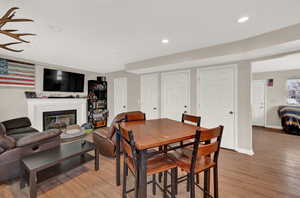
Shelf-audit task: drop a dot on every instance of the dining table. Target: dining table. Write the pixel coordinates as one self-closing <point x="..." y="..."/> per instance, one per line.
<point x="150" y="134"/>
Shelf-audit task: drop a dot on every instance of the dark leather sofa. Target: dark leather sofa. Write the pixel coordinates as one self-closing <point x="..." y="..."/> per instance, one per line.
<point x="18" y="139"/>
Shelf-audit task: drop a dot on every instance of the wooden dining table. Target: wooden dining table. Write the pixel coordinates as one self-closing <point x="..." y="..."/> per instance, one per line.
<point x="149" y="134"/>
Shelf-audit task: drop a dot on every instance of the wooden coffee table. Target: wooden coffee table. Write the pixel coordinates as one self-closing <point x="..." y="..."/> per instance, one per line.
<point x="41" y="166"/>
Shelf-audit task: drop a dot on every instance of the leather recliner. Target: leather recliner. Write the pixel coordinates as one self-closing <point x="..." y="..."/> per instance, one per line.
<point x="17" y="140"/>
<point x="105" y="138"/>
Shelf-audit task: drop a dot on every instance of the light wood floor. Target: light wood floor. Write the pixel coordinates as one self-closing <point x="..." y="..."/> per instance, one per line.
<point x="273" y="172"/>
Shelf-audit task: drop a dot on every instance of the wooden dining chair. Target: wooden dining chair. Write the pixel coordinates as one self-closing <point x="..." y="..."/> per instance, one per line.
<point x="156" y="164"/>
<point x="135" y="116"/>
<point x="191" y="118"/>
<point x="203" y="158"/>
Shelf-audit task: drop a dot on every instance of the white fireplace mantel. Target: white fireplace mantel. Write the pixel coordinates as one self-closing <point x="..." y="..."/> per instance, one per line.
<point x="36" y="107"/>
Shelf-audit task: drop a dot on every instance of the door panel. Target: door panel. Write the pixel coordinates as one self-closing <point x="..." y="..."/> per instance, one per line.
<point x="149" y="95"/>
<point x="216" y="101"/>
<point x="175" y="94"/>
<point x="120" y="95"/>
<point x="258" y="102"/>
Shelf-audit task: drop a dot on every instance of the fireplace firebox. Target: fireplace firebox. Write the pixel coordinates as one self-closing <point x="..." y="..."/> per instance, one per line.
<point x="59" y="119"/>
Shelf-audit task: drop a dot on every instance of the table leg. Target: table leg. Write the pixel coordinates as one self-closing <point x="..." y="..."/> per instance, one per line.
<point x="33" y="184"/>
<point x="97" y="159"/>
<point x="118" y="161"/>
<point x="142" y="174"/>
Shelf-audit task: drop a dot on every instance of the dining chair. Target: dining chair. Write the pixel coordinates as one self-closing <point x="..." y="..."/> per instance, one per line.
<point x="135" y="116"/>
<point x="194" y="120"/>
<point x="191" y="119"/>
<point x="159" y="163"/>
<point x="203" y="158"/>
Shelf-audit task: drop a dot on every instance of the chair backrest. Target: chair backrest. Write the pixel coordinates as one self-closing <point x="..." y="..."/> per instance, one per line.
<point x="119" y="118"/>
<point x="191" y="118"/>
<point x="128" y="145"/>
<point x="212" y="141"/>
<point x="135" y="116"/>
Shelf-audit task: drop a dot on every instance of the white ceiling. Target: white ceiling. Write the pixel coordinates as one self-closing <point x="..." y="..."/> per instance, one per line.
<point x="277" y="64"/>
<point x="103" y="35"/>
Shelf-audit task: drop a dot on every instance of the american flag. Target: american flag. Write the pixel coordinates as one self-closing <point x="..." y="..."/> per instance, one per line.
<point x="16" y="73"/>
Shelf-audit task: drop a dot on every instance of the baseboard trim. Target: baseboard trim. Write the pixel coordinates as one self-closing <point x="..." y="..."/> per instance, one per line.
<point x="274" y="127"/>
<point x="245" y="151"/>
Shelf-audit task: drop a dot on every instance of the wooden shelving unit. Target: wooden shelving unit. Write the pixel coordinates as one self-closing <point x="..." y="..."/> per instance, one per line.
<point x="97" y="102"/>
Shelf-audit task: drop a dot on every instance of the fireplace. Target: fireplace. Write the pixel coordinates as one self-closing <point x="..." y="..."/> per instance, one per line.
<point x="59" y="119"/>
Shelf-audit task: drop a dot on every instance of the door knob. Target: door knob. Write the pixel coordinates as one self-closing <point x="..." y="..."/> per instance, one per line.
<point x="124" y="106"/>
<point x="185" y="106"/>
<point x="230" y="112"/>
<point x="154" y="108"/>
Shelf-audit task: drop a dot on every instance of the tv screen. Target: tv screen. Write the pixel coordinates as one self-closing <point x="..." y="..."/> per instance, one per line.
<point x="55" y="80"/>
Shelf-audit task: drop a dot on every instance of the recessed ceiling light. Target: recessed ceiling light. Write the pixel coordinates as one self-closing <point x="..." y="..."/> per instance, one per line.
<point x="243" y="19"/>
<point x="165" y="41"/>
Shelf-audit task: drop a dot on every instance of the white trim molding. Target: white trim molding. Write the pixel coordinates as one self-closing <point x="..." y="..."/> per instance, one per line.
<point x="274" y="127"/>
<point x="245" y="151"/>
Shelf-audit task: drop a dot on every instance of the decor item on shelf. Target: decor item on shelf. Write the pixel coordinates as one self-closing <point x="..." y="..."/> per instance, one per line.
<point x="8" y="18"/>
<point x="97" y="103"/>
<point x="30" y="94"/>
<point x="17" y="73"/>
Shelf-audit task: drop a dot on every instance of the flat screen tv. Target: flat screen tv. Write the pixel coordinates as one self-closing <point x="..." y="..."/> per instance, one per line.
<point x="55" y="80"/>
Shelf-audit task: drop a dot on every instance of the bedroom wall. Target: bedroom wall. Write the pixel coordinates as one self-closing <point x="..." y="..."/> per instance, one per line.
<point x="276" y="95"/>
<point x="12" y="100"/>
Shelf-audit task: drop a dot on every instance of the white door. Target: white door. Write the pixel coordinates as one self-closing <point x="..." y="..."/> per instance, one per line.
<point x="258" y="102"/>
<point x="120" y="95"/>
<point x="175" y="94"/>
<point x="216" y="101"/>
<point x="149" y="95"/>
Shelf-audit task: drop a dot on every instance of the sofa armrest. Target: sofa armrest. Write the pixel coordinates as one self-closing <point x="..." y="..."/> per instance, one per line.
<point x="38" y="137"/>
<point x="17" y="123"/>
<point x="1" y="150"/>
<point x="7" y="143"/>
<point x="2" y="130"/>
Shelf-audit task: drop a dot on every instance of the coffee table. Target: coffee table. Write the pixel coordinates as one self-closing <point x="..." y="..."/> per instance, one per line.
<point x="41" y="166"/>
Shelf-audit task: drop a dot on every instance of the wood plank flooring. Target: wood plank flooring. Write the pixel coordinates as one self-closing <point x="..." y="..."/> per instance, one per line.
<point x="273" y="172"/>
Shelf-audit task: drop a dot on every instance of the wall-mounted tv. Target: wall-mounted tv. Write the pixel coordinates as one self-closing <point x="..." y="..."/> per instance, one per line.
<point x="56" y="80"/>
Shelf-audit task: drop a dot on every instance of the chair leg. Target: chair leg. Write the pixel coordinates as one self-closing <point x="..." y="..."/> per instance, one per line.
<point x="206" y="183"/>
<point x="216" y="185"/>
<point x="136" y="185"/>
<point x="160" y="174"/>
<point x="192" y="186"/>
<point x="188" y="183"/>
<point x="176" y="183"/>
<point x="197" y="178"/>
<point x="125" y="170"/>
<point x="154" y="184"/>
<point x="173" y="182"/>
<point x="165" y="184"/>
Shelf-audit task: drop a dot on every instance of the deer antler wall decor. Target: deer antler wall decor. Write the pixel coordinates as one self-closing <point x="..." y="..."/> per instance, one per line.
<point x="7" y="18"/>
